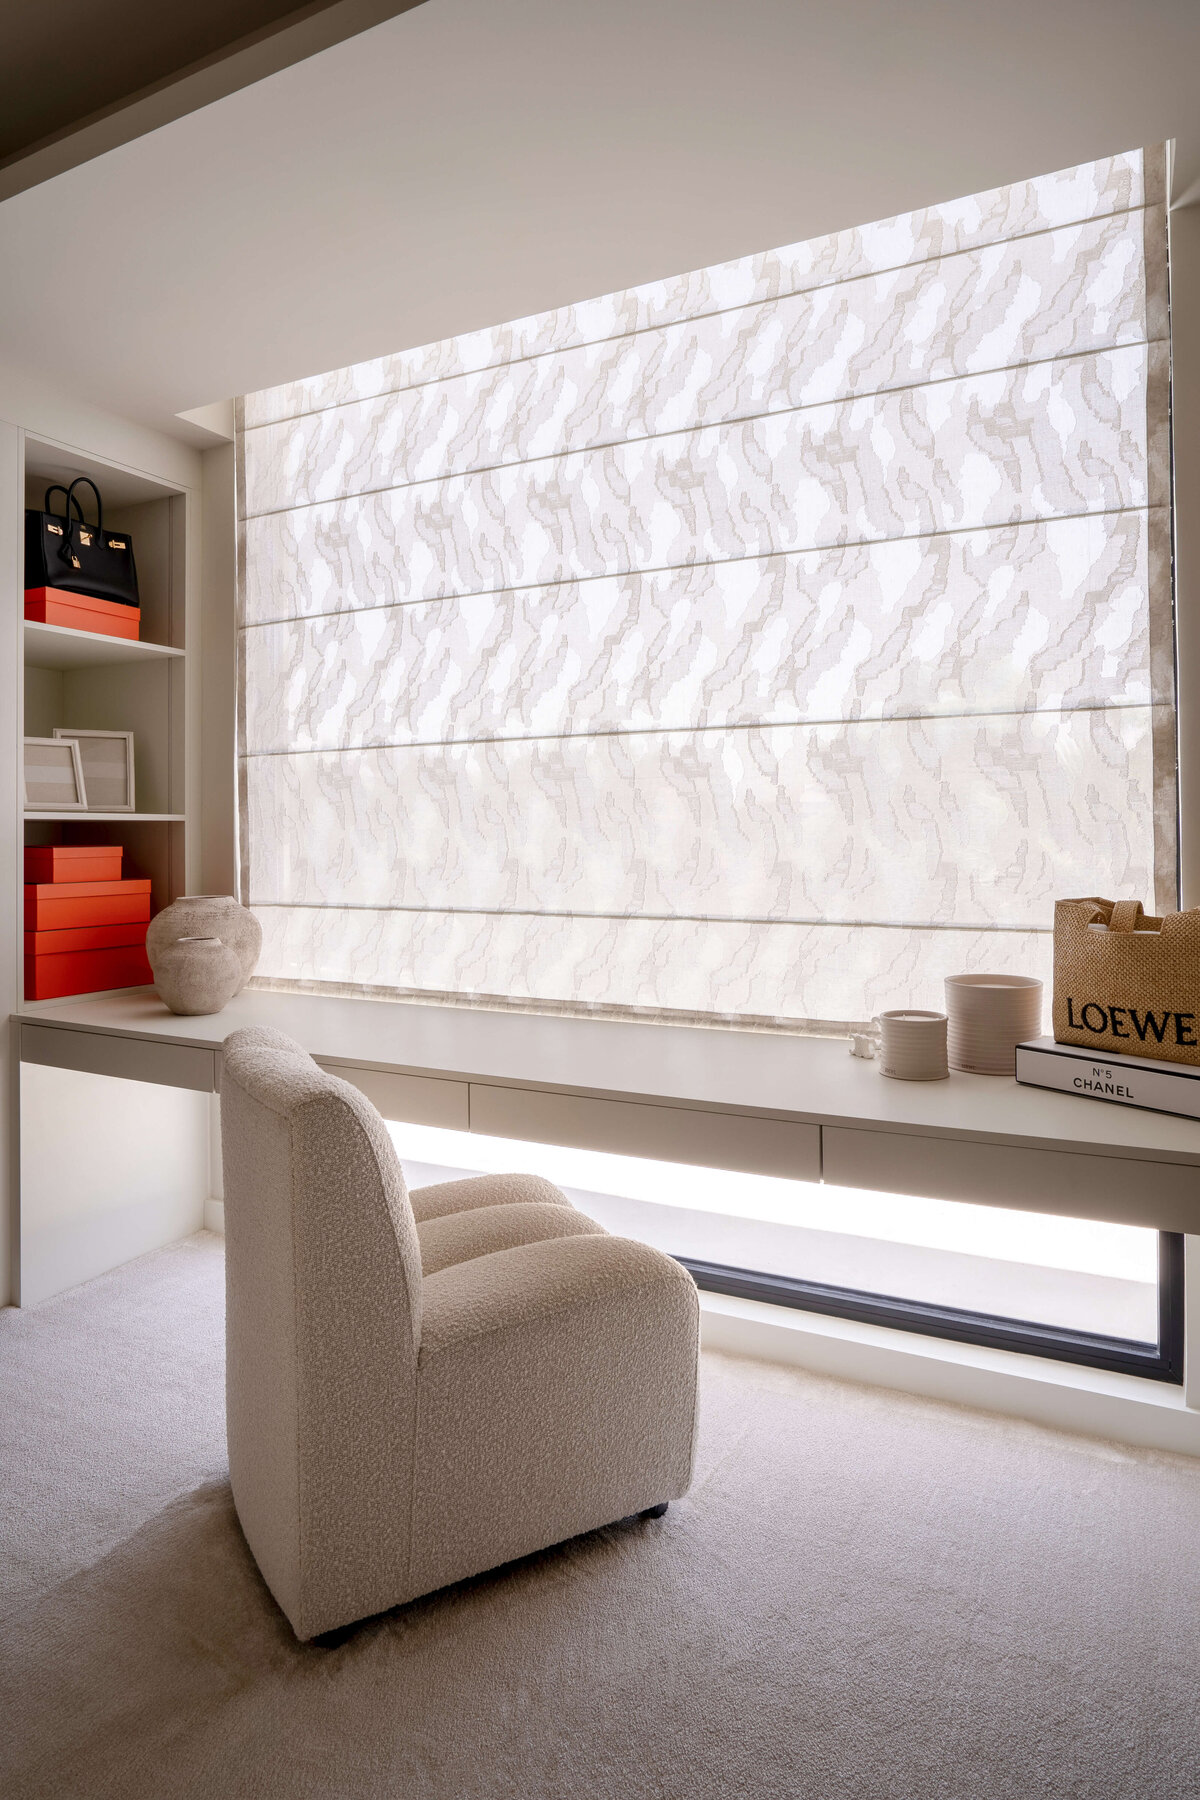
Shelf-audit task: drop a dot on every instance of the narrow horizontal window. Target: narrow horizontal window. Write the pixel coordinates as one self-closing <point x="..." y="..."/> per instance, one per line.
<point x="1072" y="1289"/>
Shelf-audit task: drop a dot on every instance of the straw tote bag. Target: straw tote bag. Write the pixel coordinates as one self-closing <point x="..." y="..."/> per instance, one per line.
<point x="1125" y="981"/>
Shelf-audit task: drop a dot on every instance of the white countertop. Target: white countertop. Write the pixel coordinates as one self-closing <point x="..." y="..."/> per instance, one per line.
<point x="773" y="1074"/>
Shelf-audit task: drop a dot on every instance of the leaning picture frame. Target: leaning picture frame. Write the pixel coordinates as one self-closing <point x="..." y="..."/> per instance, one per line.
<point x="107" y="759"/>
<point x="53" y="776"/>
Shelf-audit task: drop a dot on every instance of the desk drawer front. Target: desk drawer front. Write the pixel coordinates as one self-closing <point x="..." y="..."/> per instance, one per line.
<point x="127" y="1058"/>
<point x="1164" y="1196"/>
<point x="416" y="1099"/>
<point x="666" y="1133"/>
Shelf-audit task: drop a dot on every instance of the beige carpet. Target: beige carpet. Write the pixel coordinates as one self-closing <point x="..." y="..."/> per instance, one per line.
<point x="863" y="1596"/>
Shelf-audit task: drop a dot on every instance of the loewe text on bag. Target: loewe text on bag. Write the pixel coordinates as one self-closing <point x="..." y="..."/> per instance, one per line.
<point x="1125" y="981"/>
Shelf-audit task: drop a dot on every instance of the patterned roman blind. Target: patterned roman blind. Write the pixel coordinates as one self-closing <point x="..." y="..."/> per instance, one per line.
<point x="764" y="644"/>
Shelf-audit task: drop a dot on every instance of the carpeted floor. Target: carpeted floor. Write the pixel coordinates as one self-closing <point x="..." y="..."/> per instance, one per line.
<point x="864" y="1597"/>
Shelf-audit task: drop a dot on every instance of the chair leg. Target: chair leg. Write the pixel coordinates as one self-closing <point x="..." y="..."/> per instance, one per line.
<point x="655" y="1512"/>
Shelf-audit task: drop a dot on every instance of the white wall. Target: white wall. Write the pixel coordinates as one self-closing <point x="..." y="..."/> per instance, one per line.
<point x="471" y="162"/>
<point x="46" y="407"/>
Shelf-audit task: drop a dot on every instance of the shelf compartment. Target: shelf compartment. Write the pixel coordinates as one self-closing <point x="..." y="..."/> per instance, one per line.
<point x="153" y="844"/>
<point x="141" y="697"/>
<point x="62" y="647"/>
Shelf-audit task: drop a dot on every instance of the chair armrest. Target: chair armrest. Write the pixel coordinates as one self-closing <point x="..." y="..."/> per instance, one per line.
<point x="443" y="1197"/>
<point x="556" y="1391"/>
<point x="511" y="1289"/>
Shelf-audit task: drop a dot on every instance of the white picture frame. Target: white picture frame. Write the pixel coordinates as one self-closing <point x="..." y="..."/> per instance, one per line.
<point x="53" y="771"/>
<point x="107" y="759"/>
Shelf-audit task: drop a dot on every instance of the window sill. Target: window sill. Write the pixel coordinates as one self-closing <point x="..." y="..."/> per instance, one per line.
<point x="1152" y="1415"/>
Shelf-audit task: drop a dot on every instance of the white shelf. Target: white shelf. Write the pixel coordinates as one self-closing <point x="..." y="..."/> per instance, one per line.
<point x="81" y="815"/>
<point x="62" y="647"/>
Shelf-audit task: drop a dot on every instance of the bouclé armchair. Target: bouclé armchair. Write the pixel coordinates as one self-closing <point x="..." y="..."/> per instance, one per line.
<point x="420" y="1388"/>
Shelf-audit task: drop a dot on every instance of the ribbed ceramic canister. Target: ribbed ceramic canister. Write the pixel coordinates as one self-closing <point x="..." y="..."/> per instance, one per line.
<point x="912" y="1045"/>
<point x="989" y="1016"/>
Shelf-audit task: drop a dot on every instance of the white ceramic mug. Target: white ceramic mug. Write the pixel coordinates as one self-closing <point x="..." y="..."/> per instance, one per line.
<point x="913" y="1045"/>
<point x="989" y="1016"/>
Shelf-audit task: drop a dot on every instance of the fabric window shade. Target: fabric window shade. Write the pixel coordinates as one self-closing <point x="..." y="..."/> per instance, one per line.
<point x="764" y="644"/>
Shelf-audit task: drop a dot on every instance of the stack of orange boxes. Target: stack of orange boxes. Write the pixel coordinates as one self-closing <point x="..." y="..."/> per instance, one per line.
<point x="82" y="612"/>
<point x="85" y="928"/>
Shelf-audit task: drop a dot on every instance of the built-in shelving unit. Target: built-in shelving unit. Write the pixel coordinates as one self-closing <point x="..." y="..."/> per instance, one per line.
<point x="90" y="681"/>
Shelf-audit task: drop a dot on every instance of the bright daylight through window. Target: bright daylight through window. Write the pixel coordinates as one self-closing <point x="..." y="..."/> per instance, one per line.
<point x="1074" y="1276"/>
<point x="766" y="643"/>
<point x="760" y="645"/>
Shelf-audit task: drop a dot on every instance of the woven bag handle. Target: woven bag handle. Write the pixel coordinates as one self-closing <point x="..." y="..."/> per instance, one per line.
<point x="1072" y="918"/>
<point x="1126" y="915"/>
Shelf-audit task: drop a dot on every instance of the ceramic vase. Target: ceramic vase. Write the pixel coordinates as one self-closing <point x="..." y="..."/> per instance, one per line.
<point x="197" y="975"/>
<point x="208" y="915"/>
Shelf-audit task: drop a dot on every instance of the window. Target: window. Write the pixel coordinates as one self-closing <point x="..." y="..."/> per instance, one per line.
<point x="763" y="644"/>
<point x="1074" y="1290"/>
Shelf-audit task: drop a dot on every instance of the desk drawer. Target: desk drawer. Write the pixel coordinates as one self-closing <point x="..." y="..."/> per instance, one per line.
<point x="416" y="1099"/>
<point x="666" y="1133"/>
<point x="127" y="1058"/>
<point x="1165" y="1196"/>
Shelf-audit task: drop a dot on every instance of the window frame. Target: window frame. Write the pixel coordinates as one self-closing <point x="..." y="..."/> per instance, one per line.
<point x="1126" y="1356"/>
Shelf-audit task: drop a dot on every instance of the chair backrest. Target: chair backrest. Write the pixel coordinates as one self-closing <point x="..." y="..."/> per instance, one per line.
<point x="323" y="1327"/>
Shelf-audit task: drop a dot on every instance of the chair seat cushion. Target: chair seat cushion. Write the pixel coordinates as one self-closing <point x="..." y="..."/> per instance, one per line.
<point x="458" y="1237"/>
<point x="471" y="1191"/>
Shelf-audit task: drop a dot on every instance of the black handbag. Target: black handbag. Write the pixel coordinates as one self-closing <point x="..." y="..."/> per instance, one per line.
<point x="62" y="551"/>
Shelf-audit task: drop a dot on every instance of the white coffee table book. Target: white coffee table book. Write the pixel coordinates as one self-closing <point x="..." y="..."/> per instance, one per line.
<point x="1140" y="1081"/>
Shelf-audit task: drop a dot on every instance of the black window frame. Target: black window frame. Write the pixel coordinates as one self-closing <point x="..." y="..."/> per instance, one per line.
<point x="1155" y="1362"/>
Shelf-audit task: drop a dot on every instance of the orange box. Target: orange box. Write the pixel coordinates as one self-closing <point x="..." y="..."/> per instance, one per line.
<point x="61" y="906"/>
<point x="85" y="937"/>
<point x="73" y="862"/>
<point x="86" y="972"/>
<point x="82" y="612"/>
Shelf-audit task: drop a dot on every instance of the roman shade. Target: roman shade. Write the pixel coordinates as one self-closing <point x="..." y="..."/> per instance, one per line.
<point x="763" y="644"/>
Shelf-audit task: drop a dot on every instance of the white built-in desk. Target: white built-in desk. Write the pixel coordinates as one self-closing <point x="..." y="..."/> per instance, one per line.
<point x="769" y="1103"/>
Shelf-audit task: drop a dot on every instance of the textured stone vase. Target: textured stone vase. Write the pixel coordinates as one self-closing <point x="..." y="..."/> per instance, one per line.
<point x="207" y="915"/>
<point x="197" y="975"/>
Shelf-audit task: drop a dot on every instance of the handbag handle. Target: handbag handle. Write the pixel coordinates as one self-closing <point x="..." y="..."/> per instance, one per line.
<point x="58" y="488"/>
<point x="87" y="481"/>
<point x="65" y="552"/>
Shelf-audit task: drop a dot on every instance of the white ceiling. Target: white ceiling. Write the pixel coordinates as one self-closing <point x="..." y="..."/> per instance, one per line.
<point x="475" y="160"/>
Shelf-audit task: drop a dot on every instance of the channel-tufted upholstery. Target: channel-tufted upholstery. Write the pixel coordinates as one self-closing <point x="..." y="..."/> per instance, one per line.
<point x="422" y="1388"/>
